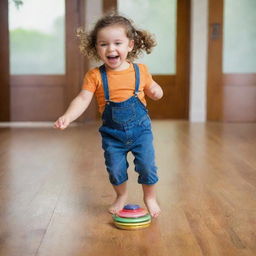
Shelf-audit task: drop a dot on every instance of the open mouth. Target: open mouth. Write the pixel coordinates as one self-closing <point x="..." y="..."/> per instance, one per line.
<point x="113" y="57"/>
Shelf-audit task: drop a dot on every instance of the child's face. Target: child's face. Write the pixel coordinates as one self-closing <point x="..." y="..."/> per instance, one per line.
<point x="113" y="46"/>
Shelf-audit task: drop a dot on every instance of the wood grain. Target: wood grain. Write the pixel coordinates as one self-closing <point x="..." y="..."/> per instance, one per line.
<point x="54" y="193"/>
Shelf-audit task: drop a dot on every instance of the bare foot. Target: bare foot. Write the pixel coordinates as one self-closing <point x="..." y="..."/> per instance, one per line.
<point x="118" y="204"/>
<point x="152" y="206"/>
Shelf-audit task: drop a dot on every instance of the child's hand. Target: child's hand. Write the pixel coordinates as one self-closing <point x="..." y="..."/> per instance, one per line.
<point x="62" y="123"/>
<point x="154" y="92"/>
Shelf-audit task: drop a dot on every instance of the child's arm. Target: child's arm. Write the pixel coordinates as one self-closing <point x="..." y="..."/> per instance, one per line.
<point x="154" y="92"/>
<point x="75" y="109"/>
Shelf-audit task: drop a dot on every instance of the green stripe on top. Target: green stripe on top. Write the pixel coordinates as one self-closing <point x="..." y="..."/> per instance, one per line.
<point x="131" y="220"/>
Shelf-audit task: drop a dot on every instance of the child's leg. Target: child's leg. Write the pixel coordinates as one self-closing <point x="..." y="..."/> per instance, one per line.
<point x="144" y="161"/>
<point x="121" y="197"/>
<point x="116" y="164"/>
<point x="150" y="199"/>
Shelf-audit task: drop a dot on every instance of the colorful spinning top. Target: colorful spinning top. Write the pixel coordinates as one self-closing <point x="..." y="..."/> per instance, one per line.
<point x="132" y="217"/>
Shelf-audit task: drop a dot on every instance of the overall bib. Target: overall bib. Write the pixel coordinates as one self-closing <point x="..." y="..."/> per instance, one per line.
<point x="126" y="127"/>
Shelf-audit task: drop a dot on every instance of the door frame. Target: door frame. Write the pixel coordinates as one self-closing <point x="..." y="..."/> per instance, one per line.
<point x="68" y="84"/>
<point x="230" y="97"/>
<point x="214" y="80"/>
<point x="177" y="84"/>
<point x="4" y="63"/>
<point x="76" y="64"/>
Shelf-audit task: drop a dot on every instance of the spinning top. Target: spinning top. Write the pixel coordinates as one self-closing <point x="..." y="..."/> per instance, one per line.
<point x="132" y="217"/>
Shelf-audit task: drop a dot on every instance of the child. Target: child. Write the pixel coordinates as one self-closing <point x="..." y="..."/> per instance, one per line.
<point x="120" y="87"/>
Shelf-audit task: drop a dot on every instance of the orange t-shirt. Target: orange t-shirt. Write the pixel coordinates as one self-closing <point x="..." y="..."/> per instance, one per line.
<point x="121" y="84"/>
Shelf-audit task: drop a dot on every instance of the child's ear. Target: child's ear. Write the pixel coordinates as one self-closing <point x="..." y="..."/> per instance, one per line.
<point x="131" y="45"/>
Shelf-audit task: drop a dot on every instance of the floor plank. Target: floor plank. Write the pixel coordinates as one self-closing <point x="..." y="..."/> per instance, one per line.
<point x="54" y="193"/>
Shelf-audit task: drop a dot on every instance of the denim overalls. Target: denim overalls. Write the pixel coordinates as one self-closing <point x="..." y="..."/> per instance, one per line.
<point x="127" y="127"/>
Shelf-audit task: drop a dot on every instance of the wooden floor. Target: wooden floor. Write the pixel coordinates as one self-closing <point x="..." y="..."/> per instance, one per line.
<point x="54" y="193"/>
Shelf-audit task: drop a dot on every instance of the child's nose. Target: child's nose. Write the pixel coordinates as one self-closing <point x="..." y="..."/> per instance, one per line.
<point x="111" y="47"/>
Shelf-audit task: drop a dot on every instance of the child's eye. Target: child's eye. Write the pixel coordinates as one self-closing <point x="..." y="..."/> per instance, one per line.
<point x="118" y="43"/>
<point x="103" y="44"/>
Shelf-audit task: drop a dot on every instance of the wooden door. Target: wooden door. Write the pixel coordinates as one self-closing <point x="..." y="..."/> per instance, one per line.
<point x="36" y="94"/>
<point x="4" y="63"/>
<point x="231" y="61"/>
<point x="175" y="82"/>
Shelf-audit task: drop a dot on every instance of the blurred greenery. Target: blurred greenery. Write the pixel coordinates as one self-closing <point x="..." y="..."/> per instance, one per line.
<point x="36" y="52"/>
<point x="18" y="3"/>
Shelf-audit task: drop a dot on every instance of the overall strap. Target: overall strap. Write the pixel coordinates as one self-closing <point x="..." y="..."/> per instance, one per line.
<point x="104" y="81"/>
<point x="137" y="78"/>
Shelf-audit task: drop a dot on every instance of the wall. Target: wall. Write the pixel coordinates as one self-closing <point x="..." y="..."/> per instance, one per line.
<point x="198" y="70"/>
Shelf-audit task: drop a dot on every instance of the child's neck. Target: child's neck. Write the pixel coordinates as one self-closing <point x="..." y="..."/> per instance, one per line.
<point x="122" y="67"/>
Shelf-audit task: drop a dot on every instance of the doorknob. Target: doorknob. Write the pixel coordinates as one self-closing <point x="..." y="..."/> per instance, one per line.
<point x="215" y="31"/>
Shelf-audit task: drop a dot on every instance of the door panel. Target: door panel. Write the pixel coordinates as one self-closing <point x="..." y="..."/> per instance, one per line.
<point x="37" y="43"/>
<point x="232" y="65"/>
<point x="37" y="97"/>
<point x="46" y="66"/>
<point x="37" y="51"/>
<point x="169" y="61"/>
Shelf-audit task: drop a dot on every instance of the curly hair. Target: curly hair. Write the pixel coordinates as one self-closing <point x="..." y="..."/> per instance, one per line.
<point x="143" y="40"/>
